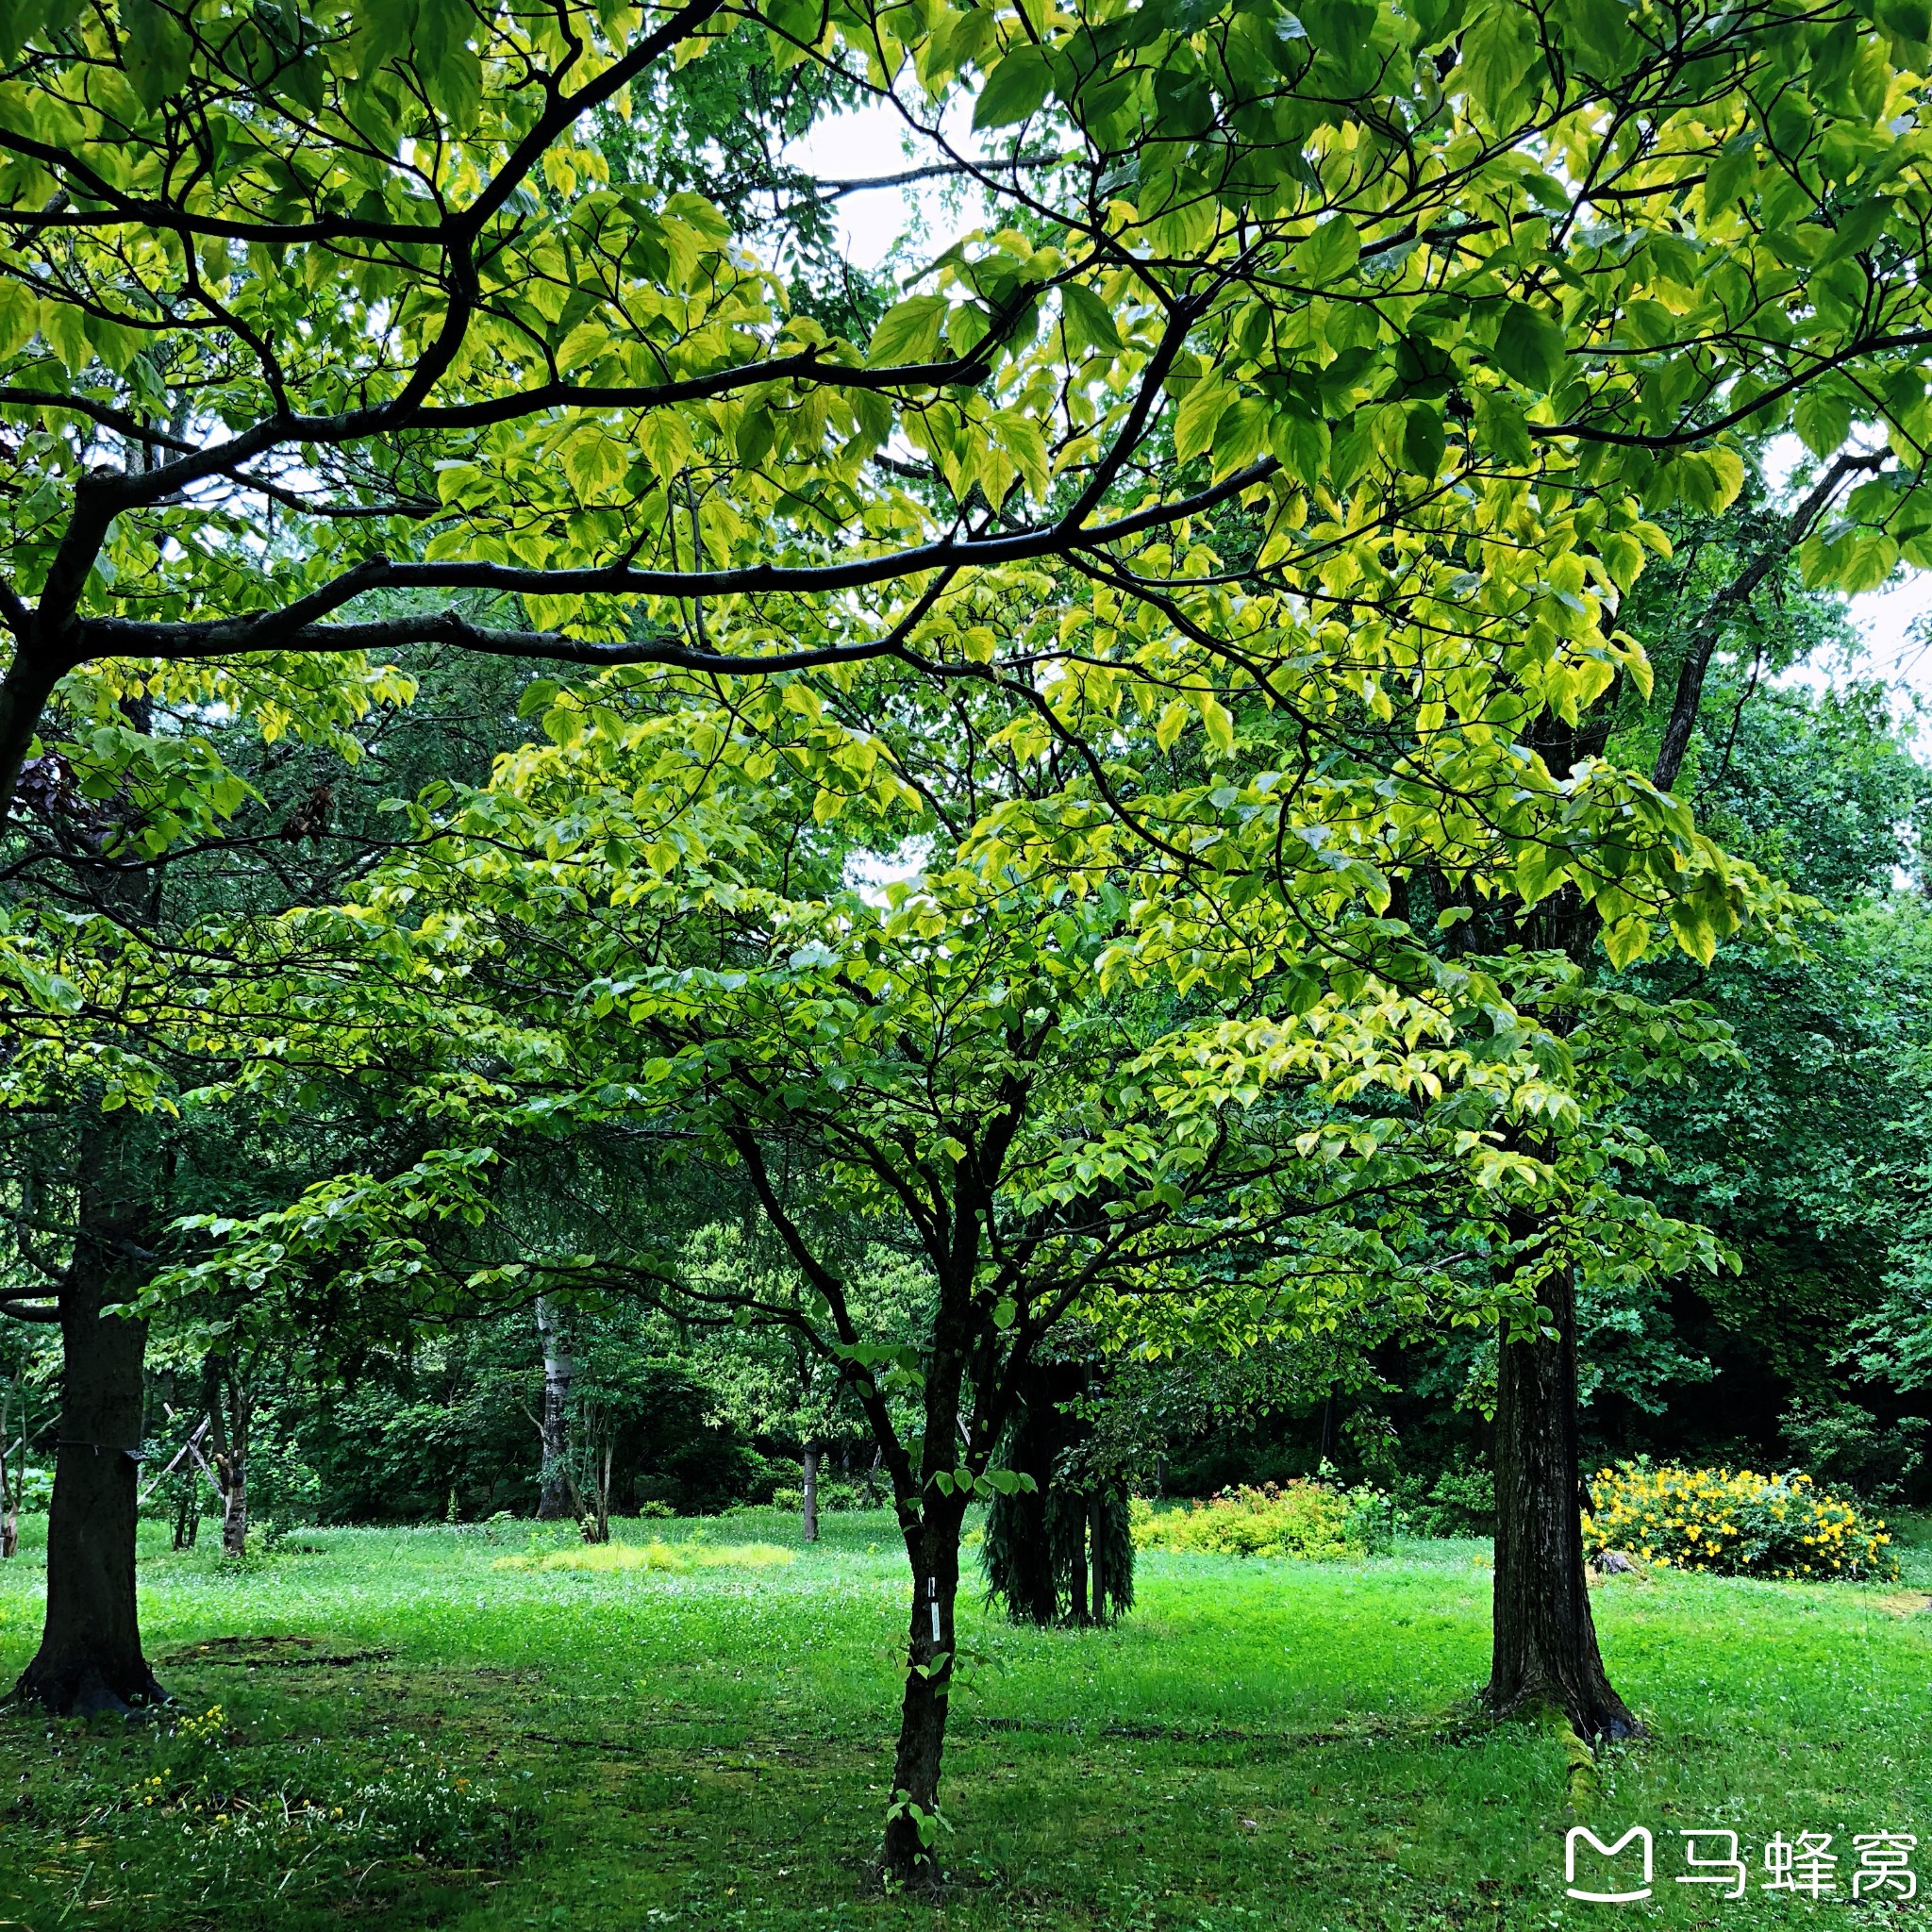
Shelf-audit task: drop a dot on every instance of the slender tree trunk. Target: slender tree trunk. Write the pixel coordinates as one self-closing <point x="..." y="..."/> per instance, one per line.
<point x="811" y="1493"/>
<point x="235" y="1513"/>
<point x="1078" y="1608"/>
<point x="1545" y="1641"/>
<point x="912" y="1829"/>
<point x="559" y="1371"/>
<point x="90" y="1658"/>
<point x="1097" y="1536"/>
<point x="235" y="1487"/>
<point x="9" y="1501"/>
<point x="228" y="1450"/>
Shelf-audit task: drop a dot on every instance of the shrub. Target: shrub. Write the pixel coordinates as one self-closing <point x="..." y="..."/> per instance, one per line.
<point x="1298" y="1517"/>
<point x="1737" y="1522"/>
<point x="1847" y="1446"/>
<point x="1461" y="1501"/>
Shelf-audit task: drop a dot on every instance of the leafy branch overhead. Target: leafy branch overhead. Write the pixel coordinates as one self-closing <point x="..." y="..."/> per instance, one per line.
<point x="1293" y="369"/>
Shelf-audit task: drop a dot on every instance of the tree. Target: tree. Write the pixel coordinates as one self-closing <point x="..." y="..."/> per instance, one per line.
<point x="277" y="372"/>
<point x="979" y="1071"/>
<point x="1060" y="1550"/>
<point x="106" y="997"/>
<point x="1421" y="309"/>
<point x="560" y="1373"/>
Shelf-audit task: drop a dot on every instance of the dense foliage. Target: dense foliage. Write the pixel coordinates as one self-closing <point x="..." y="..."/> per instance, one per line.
<point x="633" y="864"/>
<point x="1293" y="1519"/>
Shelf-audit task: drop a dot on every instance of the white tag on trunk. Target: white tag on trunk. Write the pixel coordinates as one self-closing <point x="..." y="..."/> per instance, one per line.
<point x="935" y="1624"/>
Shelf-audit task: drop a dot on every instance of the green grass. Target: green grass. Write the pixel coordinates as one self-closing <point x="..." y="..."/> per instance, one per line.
<point x="1259" y="1745"/>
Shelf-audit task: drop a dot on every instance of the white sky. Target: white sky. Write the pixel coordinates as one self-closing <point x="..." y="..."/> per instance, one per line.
<point x="871" y="140"/>
<point x="853" y="147"/>
<point x="1888" y="618"/>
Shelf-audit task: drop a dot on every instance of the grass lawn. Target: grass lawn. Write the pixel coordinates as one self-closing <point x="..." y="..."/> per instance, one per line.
<point x="411" y="1736"/>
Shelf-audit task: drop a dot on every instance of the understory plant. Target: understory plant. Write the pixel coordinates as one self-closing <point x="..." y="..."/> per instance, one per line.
<point x="1737" y="1522"/>
<point x="1299" y="1518"/>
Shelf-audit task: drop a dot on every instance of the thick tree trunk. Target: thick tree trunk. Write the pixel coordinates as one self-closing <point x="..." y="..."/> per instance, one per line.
<point x="559" y="1371"/>
<point x="1545" y="1641"/>
<point x="912" y="1828"/>
<point x="810" y="1506"/>
<point x="90" y="1658"/>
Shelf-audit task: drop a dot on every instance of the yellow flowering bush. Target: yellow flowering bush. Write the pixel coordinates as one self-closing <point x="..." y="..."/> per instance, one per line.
<point x="1735" y="1522"/>
<point x="1299" y="1518"/>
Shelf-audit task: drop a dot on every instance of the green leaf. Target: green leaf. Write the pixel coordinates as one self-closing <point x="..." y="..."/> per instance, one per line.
<point x="1301" y="445"/>
<point x="1599" y="31"/>
<point x="1502" y="427"/>
<point x="1623" y="557"/>
<point x="1332" y="250"/>
<point x="754" y="434"/>
<point x="1822" y="420"/>
<point x="1021" y="437"/>
<point x="20" y="317"/>
<point x="65" y="329"/>
<point x="1529" y="345"/>
<point x="909" y="331"/>
<point x="1238" y="435"/>
<point x="1195" y="421"/>
<point x="1425" y="440"/>
<point x="1626" y="941"/>
<point x="1499" y="51"/>
<point x="1707" y="479"/>
<point x="1728" y="176"/>
<point x="1015" y="89"/>
<point x="158" y="52"/>
<point x="1910" y="20"/>
<point x="1695" y="931"/>
<point x="1089" y="322"/>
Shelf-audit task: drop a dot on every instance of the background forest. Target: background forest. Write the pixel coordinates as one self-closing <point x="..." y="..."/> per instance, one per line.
<point x="1808" y="1157"/>
<point x="1812" y="1161"/>
<point x="1219" y="832"/>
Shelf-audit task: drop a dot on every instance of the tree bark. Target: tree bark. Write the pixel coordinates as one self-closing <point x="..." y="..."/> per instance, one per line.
<point x="1545" y="1648"/>
<point x="230" y="1443"/>
<point x="559" y="1371"/>
<point x="187" y="1516"/>
<point x="810" y="1506"/>
<point x="1096" y="1532"/>
<point x="90" y="1658"/>
<point x="234" y="1512"/>
<point x="912" y="1826"/>
<point x="10" y="1497"/>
